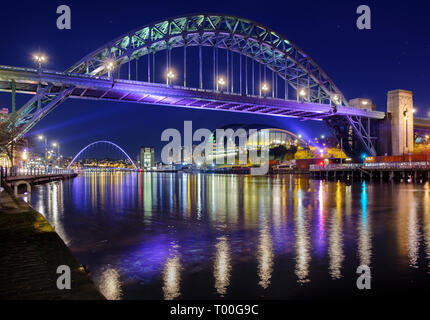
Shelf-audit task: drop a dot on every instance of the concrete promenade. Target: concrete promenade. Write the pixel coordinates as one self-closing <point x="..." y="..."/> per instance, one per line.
<point x="40" y="178"/>
<point x="30" y="252"/>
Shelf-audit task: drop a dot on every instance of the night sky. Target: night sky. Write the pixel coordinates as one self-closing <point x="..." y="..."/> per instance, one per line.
<point x="363" y="63"/>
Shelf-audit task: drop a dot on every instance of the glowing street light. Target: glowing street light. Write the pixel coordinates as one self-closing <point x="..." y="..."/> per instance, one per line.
<point x="336" y="98"/>
<point x="221" y="82"/>
<point x="109" y="66"/>
<point x="24" y="155"/>
<point x="364" y="102"/>
<point x="264" y="88"/>
<point x="414" y="110"/>
<point x="301" y="95"/>
<point x="43" y="138"/>
<point x="40" y="58"/>
<point x="170" y="76"/>
<point x="55" y="144"/>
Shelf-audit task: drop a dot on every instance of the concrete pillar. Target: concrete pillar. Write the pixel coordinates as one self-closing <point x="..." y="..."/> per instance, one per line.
<point x="400" y="106"/>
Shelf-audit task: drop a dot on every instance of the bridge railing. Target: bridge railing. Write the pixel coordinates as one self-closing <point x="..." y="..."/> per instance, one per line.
<point x="15" y="171"/>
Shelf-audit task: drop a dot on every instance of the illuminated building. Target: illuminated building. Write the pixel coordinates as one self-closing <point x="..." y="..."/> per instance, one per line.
<point x="147" y="159"/>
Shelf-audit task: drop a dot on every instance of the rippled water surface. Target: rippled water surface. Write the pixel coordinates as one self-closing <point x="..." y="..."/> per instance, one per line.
<point x="175" y="235"/>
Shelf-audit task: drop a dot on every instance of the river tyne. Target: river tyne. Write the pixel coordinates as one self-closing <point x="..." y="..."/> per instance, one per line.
<point x="210" y="236"/>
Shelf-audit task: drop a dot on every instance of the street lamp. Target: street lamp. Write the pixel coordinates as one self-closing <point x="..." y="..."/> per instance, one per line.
<point x="220" y="83"/>
<point x="41" y="138"/>
<point x="264" y="88"/>
<point x="170" y="76"/>
<point x="336" y="98"/>
<point x="109" y="65"/>
<point x="55" y="144"/>
<point x="24" y="155"/>
<point x="40" y="58"/>
<point x="302" y="94"/>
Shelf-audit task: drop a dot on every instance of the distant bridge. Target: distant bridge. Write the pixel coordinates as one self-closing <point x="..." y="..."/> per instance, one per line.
<point x="252" y="69"/>
<point x="75" y="158"/>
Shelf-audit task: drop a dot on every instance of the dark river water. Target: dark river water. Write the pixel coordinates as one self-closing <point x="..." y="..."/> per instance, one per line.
<point x="197" y="236"/>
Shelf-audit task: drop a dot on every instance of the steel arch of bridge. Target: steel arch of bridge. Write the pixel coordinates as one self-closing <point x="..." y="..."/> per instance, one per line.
<point x="97" y="142"/>
<point x="236" y="34"/>
<point x="86" y="79"/>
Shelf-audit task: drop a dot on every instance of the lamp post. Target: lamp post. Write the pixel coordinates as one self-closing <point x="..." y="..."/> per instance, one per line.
<point x="40" y="58"/>
<point x="169" y="77"/>
<point x="109" y="65"/>
<point x="220" y="83"/>
<point x="264" y="88"/>
<point x="56" y="144"/>
<point x="302" y="94"/>
<point x="41" y="138"/>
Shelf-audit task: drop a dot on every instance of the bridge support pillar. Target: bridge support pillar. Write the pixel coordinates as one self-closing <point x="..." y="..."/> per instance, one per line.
<point x="400" y="106"/>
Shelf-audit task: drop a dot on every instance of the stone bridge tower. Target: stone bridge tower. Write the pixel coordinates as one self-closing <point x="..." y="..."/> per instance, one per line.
<point x="400" y="106"/>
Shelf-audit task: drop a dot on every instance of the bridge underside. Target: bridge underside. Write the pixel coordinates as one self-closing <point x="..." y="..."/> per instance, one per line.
<point x="49" y="89"/>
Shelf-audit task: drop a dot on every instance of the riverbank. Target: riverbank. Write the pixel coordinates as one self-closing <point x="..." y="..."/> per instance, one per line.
<point x="40" y="178"/>
<point x="31" y="251"/>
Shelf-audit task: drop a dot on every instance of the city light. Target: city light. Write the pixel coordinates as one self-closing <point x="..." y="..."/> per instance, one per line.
<point x="302" y="92"/>
<point x="336" y="98"/>
<point x="414" y="110"/>
<point x="264" y="87"/>
<point x="40" y="137"/>
<point x="170" y="75"/>
<point x="220" y="83"/>
<point x="40" y="58"/>
<point x="109" y="65"/>
<point x="364" y="102"/>
<point x="24" y="155"/>
<point x="322" y="136"/>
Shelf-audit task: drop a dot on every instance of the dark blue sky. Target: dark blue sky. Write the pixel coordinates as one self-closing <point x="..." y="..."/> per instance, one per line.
<point x="393" y="54"/>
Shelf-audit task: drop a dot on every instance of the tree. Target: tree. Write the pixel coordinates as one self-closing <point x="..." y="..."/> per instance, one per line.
<point x="8" y="132"/>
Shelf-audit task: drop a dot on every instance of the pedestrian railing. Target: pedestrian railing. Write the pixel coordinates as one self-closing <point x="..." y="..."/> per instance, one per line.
<point x="15" y="171"/>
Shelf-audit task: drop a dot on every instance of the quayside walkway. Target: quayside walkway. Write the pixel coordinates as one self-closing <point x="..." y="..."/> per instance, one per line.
<point x="398" y="171"/>
<point x="30" y="252"/>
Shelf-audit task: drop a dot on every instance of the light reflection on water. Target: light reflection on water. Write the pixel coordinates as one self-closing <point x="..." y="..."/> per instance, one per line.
<point x="110" y="285"/>
<point x="222" y="266"/>
<point x="150" y="235"/>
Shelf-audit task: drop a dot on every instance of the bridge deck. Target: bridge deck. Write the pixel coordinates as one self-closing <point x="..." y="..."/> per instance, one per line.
<point x="104" y="88"/>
